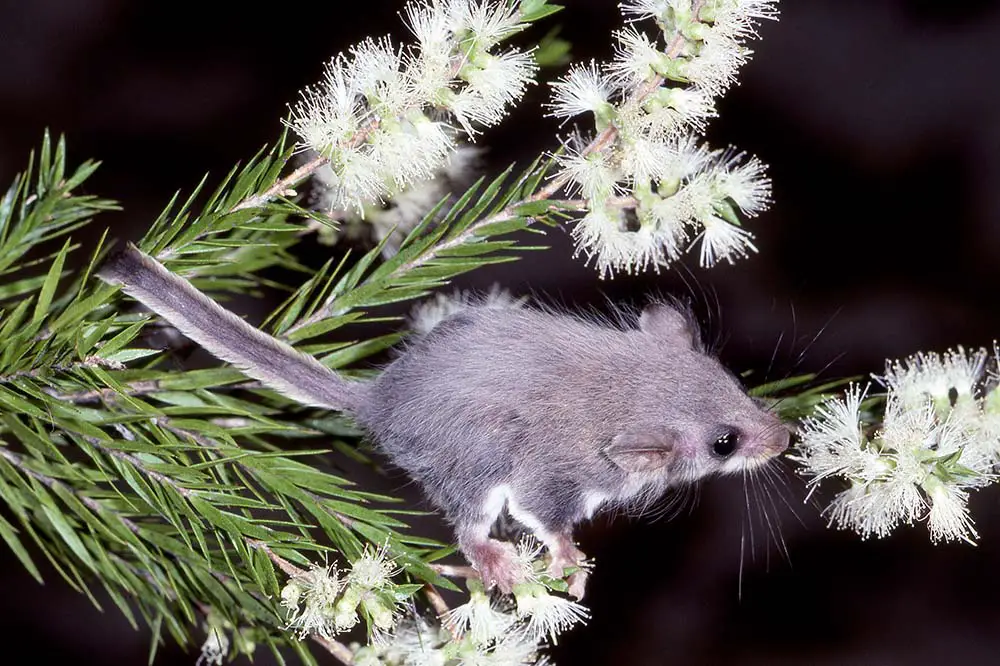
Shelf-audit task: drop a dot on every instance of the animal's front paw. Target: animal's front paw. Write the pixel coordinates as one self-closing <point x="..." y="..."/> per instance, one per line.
<point x="566" y="555"/>
<point x="578" y="583"/>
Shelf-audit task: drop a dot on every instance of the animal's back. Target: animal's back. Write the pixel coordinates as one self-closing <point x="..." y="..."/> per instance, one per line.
<point x="491" y="390"/>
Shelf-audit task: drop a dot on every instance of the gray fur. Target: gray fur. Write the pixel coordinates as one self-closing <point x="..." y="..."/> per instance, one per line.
<point x="547" y="414"/>
<point x="548" y="404"/>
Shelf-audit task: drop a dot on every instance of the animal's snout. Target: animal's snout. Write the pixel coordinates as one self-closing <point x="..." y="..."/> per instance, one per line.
<point x="778" y="440"/>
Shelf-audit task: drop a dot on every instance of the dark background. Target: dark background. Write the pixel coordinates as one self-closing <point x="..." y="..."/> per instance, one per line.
<point x="881" y="122"/>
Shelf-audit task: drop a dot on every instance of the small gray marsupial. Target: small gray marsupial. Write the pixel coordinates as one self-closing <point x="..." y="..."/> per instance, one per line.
<point x="548" y="415"/>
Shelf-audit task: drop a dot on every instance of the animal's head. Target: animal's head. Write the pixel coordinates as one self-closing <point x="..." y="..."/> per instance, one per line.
<point x="692" y="418"/>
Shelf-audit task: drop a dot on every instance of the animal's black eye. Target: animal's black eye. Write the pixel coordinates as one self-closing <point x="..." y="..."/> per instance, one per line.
<point x="725" y="444"/>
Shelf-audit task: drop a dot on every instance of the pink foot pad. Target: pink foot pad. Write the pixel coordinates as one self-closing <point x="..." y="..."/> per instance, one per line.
<point x="496" y="562"/>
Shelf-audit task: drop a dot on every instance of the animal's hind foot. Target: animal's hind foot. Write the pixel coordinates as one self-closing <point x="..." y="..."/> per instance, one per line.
<point x="497" y="564"/>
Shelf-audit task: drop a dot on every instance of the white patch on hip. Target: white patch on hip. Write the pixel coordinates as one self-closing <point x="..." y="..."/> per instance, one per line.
<point x="501" y="496"/>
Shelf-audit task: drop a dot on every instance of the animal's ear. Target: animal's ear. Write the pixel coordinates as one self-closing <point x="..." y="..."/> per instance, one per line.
<point x="663" y="319"/>
<point x="642" y="450"/>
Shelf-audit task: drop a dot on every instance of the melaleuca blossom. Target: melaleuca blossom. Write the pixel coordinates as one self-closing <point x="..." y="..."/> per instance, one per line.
<point x="386" y="116"/>
<point x="487" y="630"/>
<point x="938" y="440"/>
<point x="650" y="190"/>
<point x="389" y="222"/>
<point x="324" y="601"/>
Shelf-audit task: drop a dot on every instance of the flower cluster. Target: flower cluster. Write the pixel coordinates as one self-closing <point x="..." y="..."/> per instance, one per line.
<point x="386" y="117"/>
<point x="486" y="630"/>
<point x="939" y="439"/>
<point x="651" y="191"/>
<point x="320" y="601"/>
<point x="392" y="220"/>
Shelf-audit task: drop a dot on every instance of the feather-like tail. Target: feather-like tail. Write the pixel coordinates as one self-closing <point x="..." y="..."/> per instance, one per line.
<point x="277" y="365"/>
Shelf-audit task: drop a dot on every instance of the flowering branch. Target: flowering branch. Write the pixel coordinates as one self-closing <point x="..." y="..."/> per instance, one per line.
<point x="938" y="440"/>
<point x="646" y="146"/>
<point x="376" y="118"/>
<point x="283" y="187"/>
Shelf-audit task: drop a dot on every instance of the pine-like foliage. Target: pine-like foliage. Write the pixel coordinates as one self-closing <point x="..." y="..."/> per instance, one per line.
<point x="183" y="493"/>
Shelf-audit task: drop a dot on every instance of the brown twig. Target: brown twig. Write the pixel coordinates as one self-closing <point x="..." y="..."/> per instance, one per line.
<point x="290" y="569"/>
<point x="282" y="186"/>
<point x="455" y="571"/>
<point x="340" y="651"/>
<point x="89" y="362"/>
<point x="436" y="601"/>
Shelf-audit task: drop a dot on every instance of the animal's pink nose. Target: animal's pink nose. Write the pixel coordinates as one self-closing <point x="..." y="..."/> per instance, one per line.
<point x="778" y="440"/>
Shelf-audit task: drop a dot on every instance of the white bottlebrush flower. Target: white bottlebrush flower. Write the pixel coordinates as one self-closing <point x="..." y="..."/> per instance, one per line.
<point x="479" y="619"/>
<point x="400" y="213"/>
<point x="714" y="68"/>
<point x="646" y="147"/>
<point x="874" y="510"/>
<point x="673" y="223"/>
<point x="432" y="23"/>
<point x="637" y="59"/>
<point x="948" y="518"/>
<point x="345" y="611"/>
<point x="547" y="615"/>
<point x="739" y="20"/>
<point x="359" y="178"/>
<point x="378" y="72"/>
<point x="583" y="89"/>
<point x="934" y="375"/>
<point x="407" y="154"/>
<point x="527" y="559"/>
<point x="516" y="648"/>
<point x="374" y="570"/>
<point x="594" y="175"/>
<point x="721" y="240"/>
<point x="647" y="8"/>
<point x="485" y="23"/>
<point x="415" y="642"/>
<point x="494" y="83"/>
<point x="382" y="615"/>
<point x="743" y="181"/>
<point x="832" y="442"/>
<point x="370" y="116"/>
<point x="890" y="492"/>
<point x="642" y="158"/>
<point x="310" y="598"/>
<point x="432" y="67"/>
<point x="602" y="236"/>
<point x="328" y="115"/>
<point x="690" y="157"/>
<point x="682" y="107"/>
<point x="919" y="429"/>
<point x="923" y="460"/>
